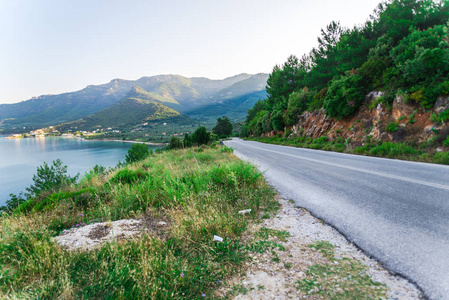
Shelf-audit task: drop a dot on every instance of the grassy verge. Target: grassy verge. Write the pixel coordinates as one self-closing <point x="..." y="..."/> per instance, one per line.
<point x="197" y="192"/>
<point x="424" y="152"/>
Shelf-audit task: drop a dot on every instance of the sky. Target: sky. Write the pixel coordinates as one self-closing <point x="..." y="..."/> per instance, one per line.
<point x="56" y="46"/>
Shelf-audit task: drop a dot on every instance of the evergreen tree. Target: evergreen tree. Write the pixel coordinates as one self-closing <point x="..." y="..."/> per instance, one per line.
<point x="223" y="128"/>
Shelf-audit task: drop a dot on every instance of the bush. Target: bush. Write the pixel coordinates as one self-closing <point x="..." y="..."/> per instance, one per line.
<point x="392" y="127"/>
<point x="127" y="176"/>
<point x="223" y="128"/>
<point x="344" y="97"/>
<point x="446" y="142"/>
<point x="50" y="178"/>
<point x="393" y="150"/>
<point x="137" y="152"/>
<point x="441" y="158"/>
<point x="200" y="136"/>
<point x="297" y="104"/>
<point x="174" y="143"/>
<point x="12" y="203"/>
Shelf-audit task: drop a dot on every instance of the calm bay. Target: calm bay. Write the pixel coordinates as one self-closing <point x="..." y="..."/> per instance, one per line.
<point x="19" y="158"/>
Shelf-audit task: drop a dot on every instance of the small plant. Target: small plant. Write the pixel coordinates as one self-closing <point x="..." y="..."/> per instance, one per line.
<point x="288" y="265"/>
<point x="392" y="127"/>
<point x="326" y="248"/>
<point x="446" y="141"/>
<point x="265" y="233"/>
<point x="411" y="118"/>
<point x="401" y="118"/>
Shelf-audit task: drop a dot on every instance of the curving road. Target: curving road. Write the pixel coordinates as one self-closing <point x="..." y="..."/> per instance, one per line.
<point x="396" y="211"/>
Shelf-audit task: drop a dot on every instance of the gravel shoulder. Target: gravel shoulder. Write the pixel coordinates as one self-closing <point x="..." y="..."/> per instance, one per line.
<point x="317" y="263"/>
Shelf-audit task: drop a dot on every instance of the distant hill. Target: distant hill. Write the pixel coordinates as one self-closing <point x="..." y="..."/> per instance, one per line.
<point x="125" y="114"/>
<point x="233" y="101"/>
<point x="179" y="93"/>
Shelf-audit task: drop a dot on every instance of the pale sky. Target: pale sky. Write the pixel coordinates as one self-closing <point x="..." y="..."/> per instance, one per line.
<point x="56" y="46"/>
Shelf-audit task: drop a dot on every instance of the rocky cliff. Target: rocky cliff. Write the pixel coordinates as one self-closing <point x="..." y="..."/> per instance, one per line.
<point x="404" y="122"/>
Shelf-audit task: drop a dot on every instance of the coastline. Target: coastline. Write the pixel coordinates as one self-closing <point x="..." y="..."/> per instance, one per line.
<point x="128" y="141"/>
<point x="87" y="140"/>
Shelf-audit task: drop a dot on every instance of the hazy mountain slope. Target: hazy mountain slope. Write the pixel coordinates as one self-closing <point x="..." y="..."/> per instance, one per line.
<point x="126" y="113"/>
<point x="233" y="101"/>
<point x="234" y="108"/>
<point x="177" y="92"/>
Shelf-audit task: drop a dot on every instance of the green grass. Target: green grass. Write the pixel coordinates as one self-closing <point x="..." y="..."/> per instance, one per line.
<point x="198" y="201"/>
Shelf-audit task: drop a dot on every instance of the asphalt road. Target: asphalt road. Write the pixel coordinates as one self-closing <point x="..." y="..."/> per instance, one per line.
<point x="396" y="211"/>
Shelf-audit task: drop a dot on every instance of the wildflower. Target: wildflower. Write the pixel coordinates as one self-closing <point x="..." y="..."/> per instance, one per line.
<point x="81" y="215"/>
<point x="77" y="225"/>
<point x="73" y="226"/>
<point x="182" y="274"/>
<point x="204" y="295"/>
<point x="219" y="281"/>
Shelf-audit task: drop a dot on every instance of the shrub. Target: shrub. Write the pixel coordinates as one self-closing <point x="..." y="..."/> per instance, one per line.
<point x="50" y="178"/>
<point x="441" y="158"/>
<point x="175" y="143"/>
<point x="137" y="152"/>
<point x="392" y="127"/>
<point x="446" y="142"/>
<point x="344" y="97"/>
<point x="393" y="150"/>
<point x="200" y="136"/>
<point x="297" y="104"/>
<point x="12" y="203"/>
<point x="223" y="128"/>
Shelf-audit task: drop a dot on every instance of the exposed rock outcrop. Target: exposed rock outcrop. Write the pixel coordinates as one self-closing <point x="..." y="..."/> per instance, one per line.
<point x="412" y="122"/>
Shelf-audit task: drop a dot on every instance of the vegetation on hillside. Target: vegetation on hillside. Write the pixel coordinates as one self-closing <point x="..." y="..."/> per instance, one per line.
<point x="402" y="49"/>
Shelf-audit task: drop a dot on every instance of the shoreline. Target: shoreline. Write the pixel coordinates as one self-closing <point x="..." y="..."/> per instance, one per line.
<point x="127" y="141"/>
<point x="87" y="140"/>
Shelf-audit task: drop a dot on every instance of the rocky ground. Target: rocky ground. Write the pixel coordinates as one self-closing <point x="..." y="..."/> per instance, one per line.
<point x="313" y="262"/>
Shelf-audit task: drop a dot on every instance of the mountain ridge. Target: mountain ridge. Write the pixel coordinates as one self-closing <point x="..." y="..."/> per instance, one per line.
<point x="180" y="93"/>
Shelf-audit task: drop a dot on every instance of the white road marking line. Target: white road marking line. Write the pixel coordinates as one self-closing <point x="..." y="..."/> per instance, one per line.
<point x="435" y="185"/>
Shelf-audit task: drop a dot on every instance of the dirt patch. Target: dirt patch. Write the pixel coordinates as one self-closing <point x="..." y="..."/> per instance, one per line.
<point x="157" y="226"/>
<point x="99" y="232"/>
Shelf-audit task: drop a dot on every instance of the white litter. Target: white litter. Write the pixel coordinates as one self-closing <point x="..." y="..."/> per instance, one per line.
<point x="217" y="238"/>
<point x="244" y="212"/>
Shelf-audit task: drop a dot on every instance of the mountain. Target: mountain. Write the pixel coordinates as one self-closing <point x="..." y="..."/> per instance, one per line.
<point x="174" y="91"/>
<point x="126" y="113"/>
<point x="233" y="101"/>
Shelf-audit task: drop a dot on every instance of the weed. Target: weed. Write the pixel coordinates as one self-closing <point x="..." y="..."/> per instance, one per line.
<point x="326" y="248"/>
<point x="265" y="233"/>
<point x="288" y="265"/>
<point x="263" y="246"/>
<point x="339" y="279"/>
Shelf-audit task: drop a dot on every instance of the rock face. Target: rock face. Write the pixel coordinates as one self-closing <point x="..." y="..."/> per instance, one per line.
<point x="412" y="122"/>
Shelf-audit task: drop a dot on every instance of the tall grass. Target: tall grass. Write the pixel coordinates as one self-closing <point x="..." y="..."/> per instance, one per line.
<point x="197" y="201"/>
